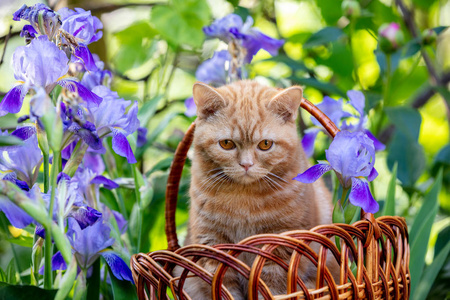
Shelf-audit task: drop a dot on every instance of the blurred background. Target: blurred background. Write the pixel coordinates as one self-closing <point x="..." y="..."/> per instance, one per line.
<point x="329" y="48"/>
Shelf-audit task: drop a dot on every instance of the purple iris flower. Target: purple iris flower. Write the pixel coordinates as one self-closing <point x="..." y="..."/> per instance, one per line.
<point x="212" y="71"/>
<point x="358" y="101"/>
<point x="12" y="177"/>
<point x="58" y="263"/>
<point x="50" y="20"/>
<point x="24" y="160"/>
<point x="89" y="243"/>
<point x="81" y="24"/>
<point x="352" y="157"/>
<point x="29" y="33"/>
<point x="16" y="215"/>
<point x="142" y="136"/>
<point x="86" y="178"/>
<point x="86" y="29"/>
<point x="334" y="110"/>
<point x="231" y="27"/>
<point x="40" y="64"/>
<point x="191" y="108"/>
<point x="111" y="118"/>
<point x="99" y="77"/>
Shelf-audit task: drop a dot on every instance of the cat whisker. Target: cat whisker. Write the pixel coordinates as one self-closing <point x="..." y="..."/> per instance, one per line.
<point x="275" y="184"/>
<point x="278" y="177"/>
<point x="269" y="183"/>
<point x="210" y="179"/>
<point x="216" y="180"/>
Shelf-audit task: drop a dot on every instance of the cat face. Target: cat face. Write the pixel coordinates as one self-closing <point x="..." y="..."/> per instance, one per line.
<point x="246" y="132"/>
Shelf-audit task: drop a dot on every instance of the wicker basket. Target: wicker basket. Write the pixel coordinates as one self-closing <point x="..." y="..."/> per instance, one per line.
<point x="373" y="254"/>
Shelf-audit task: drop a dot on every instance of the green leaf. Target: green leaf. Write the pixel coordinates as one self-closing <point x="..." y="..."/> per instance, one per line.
<point x="147" y="111"/>
<point x="349" y="212"/>
<point x="25" y="241"/>
<point x="122" y="289"/>
<point x="431" y="273"/>
<point x="67" y="280"/>
<point x="11" y="274"/>
<point x="155" y="133"/>
<point x="137" y="45"/>
<point x="291" y="63"/>
<point x="420" y="232"/>
<point x="182" y="21"/>
<point x="411" y="48"/>
<point x="3" y="277"/>
<point x="409" y="156"/>
<point x="24" y="292"/>
<point x="338" y="213"/>
<point x="340" y="60"/>
<point x="162" y="165"/>
<point x="439" y="29"/>
<point x="424" y="4"/>
<point x="389" y="206"/>
<point x="9" y="141"/>
<point x="405" y="119"/>
<point x="93" y="288"/>
<point x="235" y="3"/>
<point x="323" y="36"/>
<point x="322" y="86"/>
<point x="330" y="10"/>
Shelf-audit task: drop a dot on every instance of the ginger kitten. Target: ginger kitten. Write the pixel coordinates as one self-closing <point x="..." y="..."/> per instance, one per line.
<point x="246" y="153"/>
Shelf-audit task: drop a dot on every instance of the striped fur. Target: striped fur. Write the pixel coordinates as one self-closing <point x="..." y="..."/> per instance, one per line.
<point x="229" y="204"/>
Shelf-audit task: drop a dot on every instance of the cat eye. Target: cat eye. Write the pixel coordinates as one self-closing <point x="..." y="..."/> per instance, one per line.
<point x="265" y="145"/>
<point x="227" y="144"/>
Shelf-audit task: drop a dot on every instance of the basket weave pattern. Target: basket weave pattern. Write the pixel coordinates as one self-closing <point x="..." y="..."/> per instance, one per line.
<point x="372" y="254"/>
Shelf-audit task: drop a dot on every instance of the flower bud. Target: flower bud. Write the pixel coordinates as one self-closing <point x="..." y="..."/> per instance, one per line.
<point x="390" y="37"/>
<point x="428" y="36"/>
<point x="351" y="8"/>
<point x="44" y="20"/>
<point x="36" y="256"/>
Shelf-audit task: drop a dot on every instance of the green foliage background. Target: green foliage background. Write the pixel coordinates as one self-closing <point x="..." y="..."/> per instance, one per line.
<point x="154" y="47"/>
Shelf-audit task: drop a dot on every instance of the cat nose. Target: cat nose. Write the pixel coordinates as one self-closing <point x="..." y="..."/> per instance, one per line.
<point x="246" y="165"/>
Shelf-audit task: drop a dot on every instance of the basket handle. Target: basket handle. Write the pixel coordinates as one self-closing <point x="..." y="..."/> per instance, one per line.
<point x="179" y="159"/>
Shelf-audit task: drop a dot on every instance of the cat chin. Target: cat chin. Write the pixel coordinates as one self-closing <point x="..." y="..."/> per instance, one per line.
<point x="246" y="179"/>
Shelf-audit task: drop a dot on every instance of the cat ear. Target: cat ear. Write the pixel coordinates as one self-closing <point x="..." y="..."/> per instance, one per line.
<point x="207" y="99"/>
<point x="286" y="103"/>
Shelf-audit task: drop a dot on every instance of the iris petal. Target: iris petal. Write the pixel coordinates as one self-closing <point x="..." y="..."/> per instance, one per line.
<point x="13" y="100"/>
<point x="122" y="147"/>
<point x="85" y="215"/>
<point x="361" y="196"/>
<point x="24" y="133"/>
<point x="379" y="146"/>
<point x="83" y="92"/>
<point x="313" y="173"/>
<point x="58" y="263"/>
<point x="84" y="56"/>
<point x="118" y="267"/>
<point x="17" y="216"/>
<point x="308" y="141"/>
<point x="107" y="183"/>
<point x="357" y="100"/>
<point x="373" y="174"/>
<point x="191" y="108"/>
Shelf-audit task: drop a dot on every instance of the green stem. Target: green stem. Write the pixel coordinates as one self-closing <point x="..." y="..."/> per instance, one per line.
<point x="48" y="235"/>
<point x="46" y="172"/>
<point x="336" y="187"/>
<point x="138" y="201"/>
<point x="344" y="197"/>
